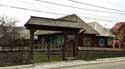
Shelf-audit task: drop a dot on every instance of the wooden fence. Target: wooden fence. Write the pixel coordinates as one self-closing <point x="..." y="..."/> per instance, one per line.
<point x="92" y="52"/>
<point x="14" y="55"/>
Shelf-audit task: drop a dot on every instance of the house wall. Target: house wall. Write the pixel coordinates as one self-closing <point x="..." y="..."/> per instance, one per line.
<point x="108" y="41"/>
<point x="87" y="40"/>
<point x="94" y="40"/>
<point x="55" y="41"/>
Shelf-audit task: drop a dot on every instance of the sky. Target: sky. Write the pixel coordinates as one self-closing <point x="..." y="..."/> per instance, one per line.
<point x="23" y="15"/>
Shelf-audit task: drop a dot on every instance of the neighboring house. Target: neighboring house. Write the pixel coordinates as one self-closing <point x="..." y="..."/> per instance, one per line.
<point x="119" y="30"/>
<point x="105" y="37"/>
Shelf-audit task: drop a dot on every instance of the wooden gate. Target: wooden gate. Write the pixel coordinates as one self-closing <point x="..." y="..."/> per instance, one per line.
<point x="70" y="46"/>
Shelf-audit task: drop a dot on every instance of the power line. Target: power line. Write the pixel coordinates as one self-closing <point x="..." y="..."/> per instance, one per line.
<point x="31" y="9"/>
<point x="65" y="9"/>
<point x="51" y="12"/>
<point x="78" y="7"/>
<point x="98" y="19"/>
<point x="103" y="18"/>
<point x="31" y="3"/>
<point x="96" y="6"/>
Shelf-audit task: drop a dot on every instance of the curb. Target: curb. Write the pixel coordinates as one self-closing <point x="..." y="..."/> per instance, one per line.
<point x="80" y="62"/>
<point x="63" y="64"/>
<point x="18" y="67"/>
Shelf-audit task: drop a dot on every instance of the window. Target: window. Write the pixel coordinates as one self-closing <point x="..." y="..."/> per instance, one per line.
<point x="87" y="42"/>
<point x="110" y="42"/>
<point x="56" y="42"/>
<point x="101" y="42"/>
<point x="60" y="41"/>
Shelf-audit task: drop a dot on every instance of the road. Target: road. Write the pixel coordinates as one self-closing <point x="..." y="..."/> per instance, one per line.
<point x="111" y="65"/>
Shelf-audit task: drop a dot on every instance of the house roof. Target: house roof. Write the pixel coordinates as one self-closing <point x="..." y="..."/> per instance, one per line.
<point x="100" y="29"/>
<point x="73" y="18"/>
<point x="81" y="23"/>
<point x="118" y="26"/>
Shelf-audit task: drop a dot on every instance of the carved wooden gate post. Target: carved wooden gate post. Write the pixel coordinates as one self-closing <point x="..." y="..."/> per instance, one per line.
<point x="31" y="44"/>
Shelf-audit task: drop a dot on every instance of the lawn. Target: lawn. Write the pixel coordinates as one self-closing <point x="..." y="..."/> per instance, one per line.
<point x="40" y="57"/>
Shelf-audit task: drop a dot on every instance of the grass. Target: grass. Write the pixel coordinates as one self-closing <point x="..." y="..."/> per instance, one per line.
<point x="40" y="57"/>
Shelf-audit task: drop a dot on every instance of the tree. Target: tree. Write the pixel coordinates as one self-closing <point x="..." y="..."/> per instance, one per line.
<point x="8" y="32"/>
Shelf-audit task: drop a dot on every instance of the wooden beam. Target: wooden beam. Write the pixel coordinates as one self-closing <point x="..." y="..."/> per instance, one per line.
<point x="51" y="28"/>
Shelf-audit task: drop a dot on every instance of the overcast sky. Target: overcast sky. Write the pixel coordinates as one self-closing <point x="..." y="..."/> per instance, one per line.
<point x="105" y="19"/>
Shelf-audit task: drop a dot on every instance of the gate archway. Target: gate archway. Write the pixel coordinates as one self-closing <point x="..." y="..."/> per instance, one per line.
<point x="65" y="26"/>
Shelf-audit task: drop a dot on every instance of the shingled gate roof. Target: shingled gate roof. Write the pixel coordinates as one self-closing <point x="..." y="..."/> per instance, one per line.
<point x="51" y="22"/>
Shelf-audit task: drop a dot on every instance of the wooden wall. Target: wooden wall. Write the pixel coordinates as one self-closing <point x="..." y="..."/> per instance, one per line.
<point x="92" y="40"/>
